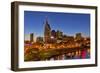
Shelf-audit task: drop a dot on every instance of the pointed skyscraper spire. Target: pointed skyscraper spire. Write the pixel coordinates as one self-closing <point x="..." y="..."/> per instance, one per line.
<point x="46" y="20"/>
<point x="47" y="31"/>
<point x="47" y="23"/>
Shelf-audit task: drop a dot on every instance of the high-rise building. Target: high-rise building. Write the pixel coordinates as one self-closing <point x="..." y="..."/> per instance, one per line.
<point x="53" y="33"/>
<point x="59" y="34"/>
<point x="31" y="37"/>
<point x="47" y="32"/>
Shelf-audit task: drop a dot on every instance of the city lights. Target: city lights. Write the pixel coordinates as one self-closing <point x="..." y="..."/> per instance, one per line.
<point x="56" y="45"/>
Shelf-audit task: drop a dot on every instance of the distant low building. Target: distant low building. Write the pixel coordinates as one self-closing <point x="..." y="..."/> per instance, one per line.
<point x="39" y="39"/>
<point x="67" y="38"/>
<point x="78" y="36"/>
<point x="59" y="40"/>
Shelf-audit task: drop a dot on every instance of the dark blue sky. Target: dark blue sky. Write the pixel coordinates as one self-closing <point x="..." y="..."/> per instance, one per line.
<point x="68" y="23"/>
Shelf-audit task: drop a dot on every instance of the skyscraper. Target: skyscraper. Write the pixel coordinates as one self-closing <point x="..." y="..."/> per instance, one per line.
<point x="59" y="34"/>
<point x="31" y="37"/>
<point x="53" y="33"/>
<point x="47" y="32"/>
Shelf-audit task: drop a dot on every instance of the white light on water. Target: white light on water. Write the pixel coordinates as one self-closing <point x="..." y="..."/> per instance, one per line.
<point x="52" y="37"/>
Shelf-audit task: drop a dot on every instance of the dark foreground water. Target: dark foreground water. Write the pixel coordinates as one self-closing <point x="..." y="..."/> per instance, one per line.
<point x="84" y="54"/>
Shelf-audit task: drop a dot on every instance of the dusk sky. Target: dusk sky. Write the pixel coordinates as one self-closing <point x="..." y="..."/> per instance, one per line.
<point x="68" y="23"/>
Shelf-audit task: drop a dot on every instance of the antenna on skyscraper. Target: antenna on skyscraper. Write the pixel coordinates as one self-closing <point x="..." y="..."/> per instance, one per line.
<point x="46" y="20"/>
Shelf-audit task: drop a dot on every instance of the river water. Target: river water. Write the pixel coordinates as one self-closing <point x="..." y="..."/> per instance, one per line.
<point x="84" y="54"/>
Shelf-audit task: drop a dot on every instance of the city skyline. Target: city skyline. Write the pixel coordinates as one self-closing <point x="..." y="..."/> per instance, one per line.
<point x="34" y="23"/>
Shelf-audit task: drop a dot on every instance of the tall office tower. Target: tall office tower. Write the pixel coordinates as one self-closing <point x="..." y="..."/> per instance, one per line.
<point x="53" y="33"/>
<point x="47" y="32"/>
<point x="59" y="34"/>
<point x="31" y="37"/>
